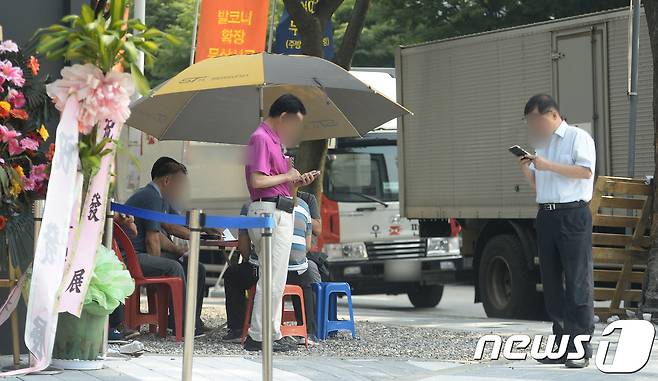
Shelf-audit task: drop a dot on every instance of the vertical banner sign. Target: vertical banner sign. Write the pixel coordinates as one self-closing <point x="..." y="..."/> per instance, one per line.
<point x="89" y="231"/>
<point x="50" y="252"/>
<point x="288" y="39"/>
<point x="229" y="27"/>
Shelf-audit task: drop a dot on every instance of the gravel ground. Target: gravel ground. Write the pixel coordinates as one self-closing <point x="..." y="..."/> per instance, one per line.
<point x="373" y="340"/>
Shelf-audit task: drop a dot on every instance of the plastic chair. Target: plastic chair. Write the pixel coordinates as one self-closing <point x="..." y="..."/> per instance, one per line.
<point x="327" y="314"/>
<point x="159" y="290"/>
<point x="286" y="315"/>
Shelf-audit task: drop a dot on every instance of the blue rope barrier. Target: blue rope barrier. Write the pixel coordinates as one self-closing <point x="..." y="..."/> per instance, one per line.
<point x="236" y="222"/>
<point x="146" y="214"/>
<point x="239" y="222"/>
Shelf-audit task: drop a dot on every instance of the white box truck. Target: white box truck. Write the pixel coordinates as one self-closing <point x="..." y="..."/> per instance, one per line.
<point x="467" y="95"/>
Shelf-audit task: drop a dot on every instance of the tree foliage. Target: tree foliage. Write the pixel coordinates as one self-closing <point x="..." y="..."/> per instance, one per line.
<point x="391" y="23"/>
<point x="175" y="17"/>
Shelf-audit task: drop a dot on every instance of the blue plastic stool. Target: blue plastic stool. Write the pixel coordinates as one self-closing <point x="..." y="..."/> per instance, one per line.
<point x="326" y="310"/>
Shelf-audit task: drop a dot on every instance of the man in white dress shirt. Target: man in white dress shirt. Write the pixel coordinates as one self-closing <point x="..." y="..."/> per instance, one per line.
<point x="562" y="173"/>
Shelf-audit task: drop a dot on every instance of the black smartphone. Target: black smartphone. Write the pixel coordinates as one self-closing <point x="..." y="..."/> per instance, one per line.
<point x="518" y="151"/>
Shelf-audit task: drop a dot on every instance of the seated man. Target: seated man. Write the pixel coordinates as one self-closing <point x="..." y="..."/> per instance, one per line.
<point x="241" y="277"/>
<point x="156" y="252"/>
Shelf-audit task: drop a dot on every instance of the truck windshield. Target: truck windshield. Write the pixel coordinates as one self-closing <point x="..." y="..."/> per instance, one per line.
<point x="371" y="171"/>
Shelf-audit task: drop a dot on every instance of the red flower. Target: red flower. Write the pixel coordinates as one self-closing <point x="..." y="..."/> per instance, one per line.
<point x="18" y="114"/>
<point x="51" y="152"/>
<point x="3" y="222"/>
<point x="33" y="64"/>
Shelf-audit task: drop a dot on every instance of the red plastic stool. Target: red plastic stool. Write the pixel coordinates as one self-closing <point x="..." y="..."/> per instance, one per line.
<point x="159" y="291"/>
<point x="286" y="315"/>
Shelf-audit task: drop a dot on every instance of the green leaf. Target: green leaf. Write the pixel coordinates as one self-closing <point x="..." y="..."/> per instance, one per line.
<point x="141" y="83"/>
<point x="172" y="39"/>
<point x="116" y="9"/>
<point x="48" y="43"/>
<point x="70" y="18"/>
<point x="4" y="178"/>
<point x="131" y="51"/>
<point x="87" y="13"/>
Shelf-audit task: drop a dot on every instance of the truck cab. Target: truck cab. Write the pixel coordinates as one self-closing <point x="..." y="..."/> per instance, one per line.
<point x="369" y="245"/>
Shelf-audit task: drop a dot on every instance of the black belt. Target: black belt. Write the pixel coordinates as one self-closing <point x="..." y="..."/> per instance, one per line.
<point x="266" y="199"/>
<point x="283" y="203"/>
<point x="563" y="205"/>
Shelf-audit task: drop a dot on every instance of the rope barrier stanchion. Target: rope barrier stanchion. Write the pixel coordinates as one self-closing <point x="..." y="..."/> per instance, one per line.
<point x="194" y="222"/>
<point x="266" y="259"/>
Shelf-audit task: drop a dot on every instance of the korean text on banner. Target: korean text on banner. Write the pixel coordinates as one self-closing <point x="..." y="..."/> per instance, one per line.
<point x="50" y="253"/>
<point x="88" y="233"/>
<point x="229" y="27"/>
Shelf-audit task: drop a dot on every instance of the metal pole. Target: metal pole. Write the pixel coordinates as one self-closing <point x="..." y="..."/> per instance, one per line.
<point x="194" y="30"/>
<point x="634" y="47"/>
<point x="107" y="242"/>
<point x="266" y="262"/>
<point x="270" y="38"/>
<point x="194" y="223"/>
<point x="140" y="13"/>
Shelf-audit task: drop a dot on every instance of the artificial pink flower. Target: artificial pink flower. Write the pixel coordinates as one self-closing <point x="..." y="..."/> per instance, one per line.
<point x="29" y="184"/>
<point x="36" y="179"/>
<point x="38" y="172"/>
<point x="16" y="98"/>
<point x="102" y="97"/>
<point x="14" y="147"/>
<point x="8" y="46"/>
<point x="29" y="144"/>
<point x="7" y="134"/>
<point x="11" y="73"/>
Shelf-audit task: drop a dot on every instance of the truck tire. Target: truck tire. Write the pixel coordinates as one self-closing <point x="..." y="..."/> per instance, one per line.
<point x="425" y="296"/>
<point x="506" y="286"/>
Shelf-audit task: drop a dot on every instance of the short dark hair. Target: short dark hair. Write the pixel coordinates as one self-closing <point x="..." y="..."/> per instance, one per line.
<point x="166" y="166"/>
<point x="287" y="103"/>
<point x="542" y="102"/>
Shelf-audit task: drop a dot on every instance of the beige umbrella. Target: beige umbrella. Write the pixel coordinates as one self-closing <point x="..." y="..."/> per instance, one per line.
<point x="220" y="99"/>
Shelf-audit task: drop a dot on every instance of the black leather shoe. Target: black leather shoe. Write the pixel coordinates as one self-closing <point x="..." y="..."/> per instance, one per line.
<point x="577" y="364"/>
<point x="252" y="345"/>
<point x="277" y="346"/>
<point x="547" y="361"/>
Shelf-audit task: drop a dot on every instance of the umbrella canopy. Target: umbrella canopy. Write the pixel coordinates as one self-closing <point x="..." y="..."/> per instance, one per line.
<point x="219" y="99"/>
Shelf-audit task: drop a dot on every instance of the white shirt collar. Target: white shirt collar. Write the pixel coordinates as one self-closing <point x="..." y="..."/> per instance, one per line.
<point x="562" y="129"/>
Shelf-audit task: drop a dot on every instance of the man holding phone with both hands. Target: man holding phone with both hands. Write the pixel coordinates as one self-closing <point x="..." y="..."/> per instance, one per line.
<point x="562" y="174"/>
<point x="272" y="180"/>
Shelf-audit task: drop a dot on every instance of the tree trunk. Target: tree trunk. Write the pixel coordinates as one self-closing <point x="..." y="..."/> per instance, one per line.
<point x="650" y="293"/>
<point x="352" y="33"/>
<point x="312" y="155"/>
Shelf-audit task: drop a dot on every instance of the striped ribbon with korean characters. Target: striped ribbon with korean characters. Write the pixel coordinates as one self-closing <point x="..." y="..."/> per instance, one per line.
<point x="89" y="230"/>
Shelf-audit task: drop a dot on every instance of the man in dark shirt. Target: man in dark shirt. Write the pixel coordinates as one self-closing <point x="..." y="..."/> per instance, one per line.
<point x="156" y="252"/>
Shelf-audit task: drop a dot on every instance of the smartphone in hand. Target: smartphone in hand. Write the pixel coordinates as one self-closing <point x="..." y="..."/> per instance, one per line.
<point x="518" y="151"/>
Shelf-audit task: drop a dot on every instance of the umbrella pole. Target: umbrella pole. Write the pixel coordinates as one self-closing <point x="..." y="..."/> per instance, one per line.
<point x="266" y="273"/>
<point x="194" y="30"/>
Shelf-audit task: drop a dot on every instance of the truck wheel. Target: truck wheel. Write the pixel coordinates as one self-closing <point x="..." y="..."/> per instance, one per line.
<point x="425" y="296"/>
<point x="506" y="288"/>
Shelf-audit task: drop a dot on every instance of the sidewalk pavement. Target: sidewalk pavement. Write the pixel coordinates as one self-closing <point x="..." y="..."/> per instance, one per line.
<point x="151" y="367"/>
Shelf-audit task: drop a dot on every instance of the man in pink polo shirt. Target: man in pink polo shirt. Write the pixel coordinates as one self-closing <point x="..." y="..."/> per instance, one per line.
<point x="271" y="180"/>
